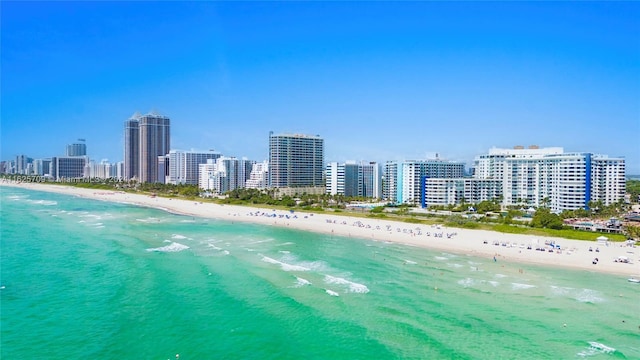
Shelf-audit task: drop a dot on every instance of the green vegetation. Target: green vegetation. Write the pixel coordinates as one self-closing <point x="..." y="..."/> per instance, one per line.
<point x="633" y="189"/>
<point x="543" y="223"/>
<point x="544" y="218"/>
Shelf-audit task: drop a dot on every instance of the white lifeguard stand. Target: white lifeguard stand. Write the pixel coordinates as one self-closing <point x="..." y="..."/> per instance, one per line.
<point x="603" y="240"/>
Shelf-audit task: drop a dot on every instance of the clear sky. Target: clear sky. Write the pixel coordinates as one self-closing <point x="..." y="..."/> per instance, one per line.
<point x="377" y="80"/>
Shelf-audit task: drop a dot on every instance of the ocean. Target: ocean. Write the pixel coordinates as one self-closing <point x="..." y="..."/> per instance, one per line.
<point x="84" y="279"/>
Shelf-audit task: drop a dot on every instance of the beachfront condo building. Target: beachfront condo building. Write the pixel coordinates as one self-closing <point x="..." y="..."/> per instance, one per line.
<point x="132" y="147"/>
<point x="536" y="177"/>
<point x="455" y="191"/>
<point x="259" y="176"/>
<point x="78" y="148"/>
<point x="146" y="137"/>
<point x="404" y="181"/>
<point x="353" y="179"/>
<point x="102" y="170"/>
<point x="224" y="174"/>
<point x="296" y="161"/>
<point x="549" y="176"/>
<point x="184" y="165"/>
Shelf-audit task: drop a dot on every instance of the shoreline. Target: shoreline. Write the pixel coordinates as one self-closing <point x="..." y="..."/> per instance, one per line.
<point x="511" y="249"/>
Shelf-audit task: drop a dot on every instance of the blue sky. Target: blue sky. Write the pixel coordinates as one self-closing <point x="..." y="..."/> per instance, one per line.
<point x="377" y="80"/>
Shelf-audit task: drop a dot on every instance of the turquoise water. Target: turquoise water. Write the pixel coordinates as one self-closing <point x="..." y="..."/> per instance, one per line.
<point x="85" y="279"/>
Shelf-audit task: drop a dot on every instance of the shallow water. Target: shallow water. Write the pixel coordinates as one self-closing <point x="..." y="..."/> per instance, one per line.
<point x="91" y="279"/>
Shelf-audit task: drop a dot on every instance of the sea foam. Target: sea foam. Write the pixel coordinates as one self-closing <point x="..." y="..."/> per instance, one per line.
<point x="588" y="296"/>
<point x="300" y="282"/>
<point x="43" y="202"/>
<point x="596" y="348"/>
<point x="284" y="266"/>
<point x="331" y="292"/>
<point x="518" y="286"/>
<point x="173" y="247"/>
<point x="352" y="286"/>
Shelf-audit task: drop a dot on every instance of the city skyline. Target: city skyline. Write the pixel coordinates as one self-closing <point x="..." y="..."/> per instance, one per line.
<point x="378" y="81"/>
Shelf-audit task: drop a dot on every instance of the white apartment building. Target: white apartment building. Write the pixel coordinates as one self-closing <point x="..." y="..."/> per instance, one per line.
<point x="184" y="165"/>
<point x="353" y="179"/>
<point x="334" y="173"/>
<point x="259" y="176"/>
<point x="404" y="181"/>
<point x="224" y="174"/>
<point x="454" y="191"/>
<point x="567" y="181"/>
<point x="102" y="170"/>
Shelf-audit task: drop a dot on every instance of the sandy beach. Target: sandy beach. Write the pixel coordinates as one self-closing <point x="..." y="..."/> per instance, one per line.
<point x="510" y="249"/>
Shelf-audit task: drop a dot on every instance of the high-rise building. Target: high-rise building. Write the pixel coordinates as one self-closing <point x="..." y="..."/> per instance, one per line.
<point x="145" y="138"/>
<point x="78" y="148"/>
<point x="549" y="176"/>
<point x="352" y="179"/>
<point x="132" y="147"/>
<point x="22" y="164"/>
<point x="404" y="181"/>
<point x="259" y="176"/>
<point x="41" y="167"/>
<point x="69" y="167"/>
<point x="536" y="177"/>
<point x="296" y="161"/>
<point x="224" y="174"/>
<point x="369" y="180"/>
<point x="183" y="165"/>
<point x="102" y="170"/>
<point x="154" y="141"/>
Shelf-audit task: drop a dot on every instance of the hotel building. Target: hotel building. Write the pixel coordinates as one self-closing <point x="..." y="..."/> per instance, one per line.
<point x="296" y="161"/>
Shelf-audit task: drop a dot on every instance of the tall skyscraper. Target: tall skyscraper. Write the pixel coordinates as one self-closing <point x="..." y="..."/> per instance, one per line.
<point x="132" y="147"/>
<point x="154" y="141"/>
<point x="78" y="148"/>
<point x="295" y="160"/>
<point x="145" y="138"/>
